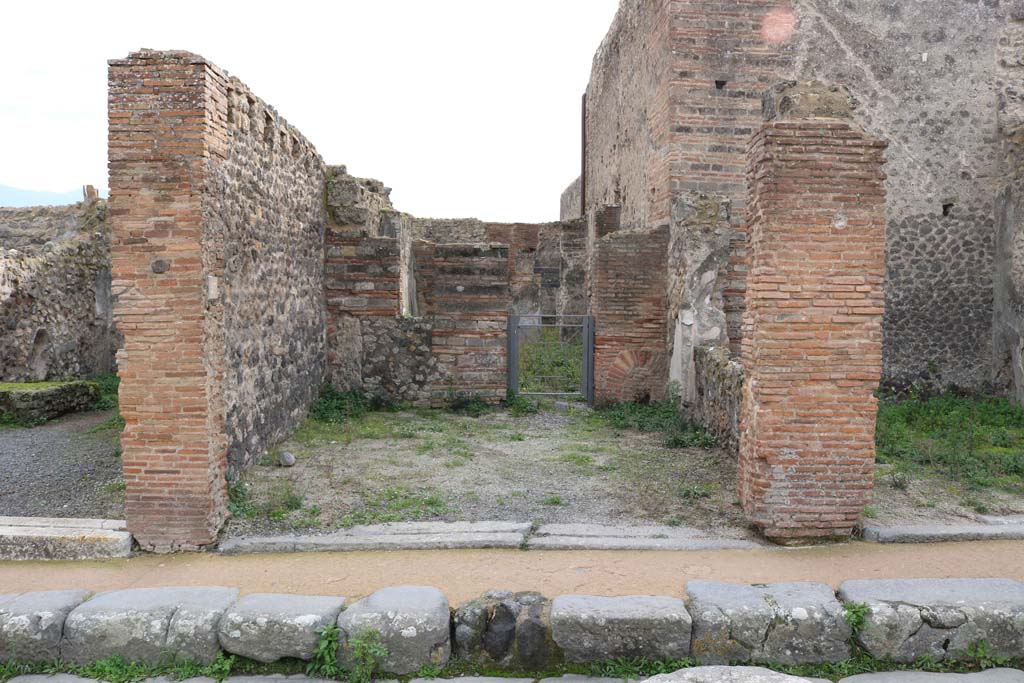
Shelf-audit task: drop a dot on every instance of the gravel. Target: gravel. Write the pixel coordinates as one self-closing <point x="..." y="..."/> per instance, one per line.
<point x="61" y="469"/>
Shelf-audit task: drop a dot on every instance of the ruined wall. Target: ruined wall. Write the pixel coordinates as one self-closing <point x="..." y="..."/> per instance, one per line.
<point x="570" y="206"/>
<point x="454" y="347"/>
<point x="55" y="303"/>
<point x="923" y="76"/>
<point x="812" y="343"/>
<point x="629" y="304"/>
<point x="361" y="202"/>
<point x="628" y="114"/>
<point x="216" y="210"/>
<point x="717" y="395"/>
<point x="264" y="234"/>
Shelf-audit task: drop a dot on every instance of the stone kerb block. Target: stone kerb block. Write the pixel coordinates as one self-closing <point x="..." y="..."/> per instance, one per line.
<point x="785" y="623"/>
<point x="270" y="626"/>
<point x="413" y="622"/>
<point x="726" y="674"/>
<point x="507" y="629"/>
<point x="31" y="624"/>
<point x="938" y="618"/>
<point x="593" y="628"/>
<point x="147" y="625"/>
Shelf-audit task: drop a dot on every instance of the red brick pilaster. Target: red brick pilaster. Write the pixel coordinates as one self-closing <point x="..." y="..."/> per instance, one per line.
<point x="162" y="109"/>
<point x="812" y="338"/>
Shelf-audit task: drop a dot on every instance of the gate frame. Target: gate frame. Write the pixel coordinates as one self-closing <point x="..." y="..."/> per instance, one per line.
<point x="586" y="328"/>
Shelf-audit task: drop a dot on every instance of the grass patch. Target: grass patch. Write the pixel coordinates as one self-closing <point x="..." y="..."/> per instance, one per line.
<point x="550" y="364"/>
<point x="659" y="416"/>
<point x="977" y="441"/>
<point x="113" y="423"/>
<point x="396" y="504"/>
<point x="553" y="500"/>
<point x="108" y="385"/>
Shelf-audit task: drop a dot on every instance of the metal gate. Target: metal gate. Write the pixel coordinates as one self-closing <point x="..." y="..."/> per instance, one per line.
<point x="551" y="355"/>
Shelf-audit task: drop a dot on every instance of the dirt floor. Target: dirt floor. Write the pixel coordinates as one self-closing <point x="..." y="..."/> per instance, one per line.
<point x="433" y="465"/>
<point x="69" y="467"/>
<point x="464" y="574"/>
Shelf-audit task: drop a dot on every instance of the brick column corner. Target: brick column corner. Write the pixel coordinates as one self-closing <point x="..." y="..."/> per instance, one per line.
<point x="812" y="340"/>
<point x="164" y="110"/>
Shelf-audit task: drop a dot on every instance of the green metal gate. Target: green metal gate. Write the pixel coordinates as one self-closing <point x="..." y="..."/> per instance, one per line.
<point x="551" y="355"/>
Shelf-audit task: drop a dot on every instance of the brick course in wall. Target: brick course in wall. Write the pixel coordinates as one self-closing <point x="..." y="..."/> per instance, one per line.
<point x="812" y="338"/>
<point x="183" y="138"/>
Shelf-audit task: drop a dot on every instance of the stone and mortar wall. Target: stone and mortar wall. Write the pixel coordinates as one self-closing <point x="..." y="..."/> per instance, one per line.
<point x="812" y="340"/>
<point x="1008" y="278"/>
<point x="454" y="346"/>
<point x="718" y="394"/>
<point x="217" y="217"/>
<point x="675" y="93"/>
<point x="782" y="623"/>
<point x="55" y="302"/>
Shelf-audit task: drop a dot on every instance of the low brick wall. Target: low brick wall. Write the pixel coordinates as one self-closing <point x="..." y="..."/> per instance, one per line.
<point x="781" y="623"/>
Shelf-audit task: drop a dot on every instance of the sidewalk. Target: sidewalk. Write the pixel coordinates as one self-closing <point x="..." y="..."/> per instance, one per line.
<point x="464" y="574"/>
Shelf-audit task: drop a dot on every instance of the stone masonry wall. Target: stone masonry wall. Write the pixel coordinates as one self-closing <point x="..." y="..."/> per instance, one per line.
<point x="812" y="340"/>
<point x="1009" y="263"/>
<point x="211" y="210"/>
<point x="629" y="305"/>
<point x="717" y="395"/>
<point x="675" y="94"/>
<point x="455" y="346"/>
<point x="55" y="303"/>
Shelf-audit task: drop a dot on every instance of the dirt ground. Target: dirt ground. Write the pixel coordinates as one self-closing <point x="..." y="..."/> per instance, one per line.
<point x="928" y="497"/>
<point x="433" y="465"/>
<point x="69" y="467"/>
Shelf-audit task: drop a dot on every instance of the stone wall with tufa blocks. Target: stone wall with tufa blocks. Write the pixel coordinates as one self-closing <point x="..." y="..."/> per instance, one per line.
<point x="217" y="218"/>
<point x="571" y="202"/>
<point x="55" y="301"/>
<point x="812" y="338"/>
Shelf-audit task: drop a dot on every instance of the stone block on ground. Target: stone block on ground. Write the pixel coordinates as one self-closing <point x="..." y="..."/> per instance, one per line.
<point x="785" y="623"/>
<point x="270" y="626"/>
<point x="506" y="629"/>
<point x="592" y="628"/>
<point x="31" y="623"/>
<point x="33" y="402"/>
<point x="47" y="538"/>
<point x="147" y="624"/>
<point x="938" y="618"/>
<point x="725" y="674"/>
<point x="413" y="623"/>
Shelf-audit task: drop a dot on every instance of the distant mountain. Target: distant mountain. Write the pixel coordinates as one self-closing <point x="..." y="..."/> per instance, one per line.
<point x="14" y="196"/>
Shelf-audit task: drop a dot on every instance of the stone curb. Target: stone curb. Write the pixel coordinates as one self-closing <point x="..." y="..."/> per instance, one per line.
<point x="937" y="533"/>
<point x="54" y="539"/>
<point x="791" y="623"/>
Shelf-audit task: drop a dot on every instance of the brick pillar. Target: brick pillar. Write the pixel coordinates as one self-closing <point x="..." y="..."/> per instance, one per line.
<point x="812" y="339"/>
<point x="163" y="110"/>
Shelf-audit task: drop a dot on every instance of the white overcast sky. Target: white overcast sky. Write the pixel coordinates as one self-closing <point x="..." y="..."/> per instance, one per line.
<point x="464" y="107"/>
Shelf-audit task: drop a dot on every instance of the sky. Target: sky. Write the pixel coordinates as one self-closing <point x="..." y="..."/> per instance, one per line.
<point x="463" y="107"/>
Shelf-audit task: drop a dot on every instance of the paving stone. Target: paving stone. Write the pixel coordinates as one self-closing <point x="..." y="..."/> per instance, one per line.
<point x="989" y="676"/>
<point x="725" y="674"/>
<point x="146" y="624"/>
<point x="787" y="623"/>
<point x="413" y="622"/>
<point x="578" y="678"/>
<point x="66" y="522"/>
<point x="636" y="543"/>
<point x="936" y="533"/>
<point x="51" y="678"/>
<point x="474" y="679"/>
<point x="592" y="628"/>
<point x="938" y="618"/>
<point x="269" y="626"/>
<point x="616" y="530"/>
<point x="37" y="542"/>
<point x="31" y="623"/>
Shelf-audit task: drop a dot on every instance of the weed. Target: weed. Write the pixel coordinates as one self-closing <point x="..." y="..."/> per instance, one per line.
<point x="467" y="404"/>
<point x="517" y="436"/>
<point x="337" y="407"/>
<point x="108" y="392"/>
<point x="674" y="520"/>
<point x="429" y="671"/>
<point x="856" y="615"/>
<point x="114" y="487"/>
<point x="519" y="406"/>
<point x="634" y="668"/>
<point x="899" y="478"/>
<point x="396" y="504"/>
<point x="660" y="416"/>
<point x="980" y="654"/>
<point x="240" y="502"/>
<point x="552" y="500"/>
<point x="325" y="657"/>
<point x="694" y="492"/>
<point x="870" y="512"/>
<point x="364" y="656"/>
<point x="114" y="422"/>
